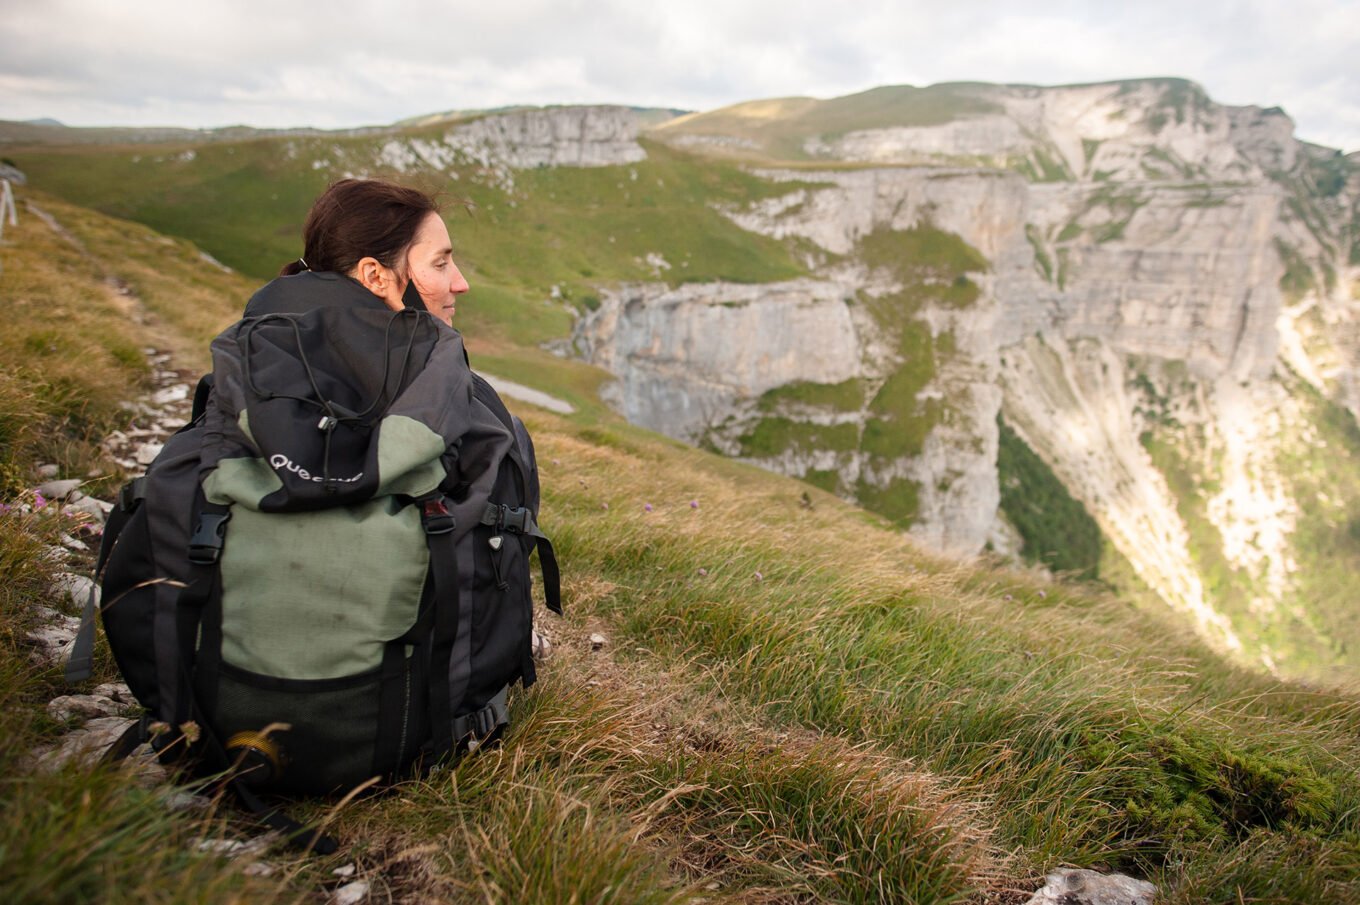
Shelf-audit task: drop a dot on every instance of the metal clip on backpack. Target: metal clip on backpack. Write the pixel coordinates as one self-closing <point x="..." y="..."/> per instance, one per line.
<point x="324" y="577"/>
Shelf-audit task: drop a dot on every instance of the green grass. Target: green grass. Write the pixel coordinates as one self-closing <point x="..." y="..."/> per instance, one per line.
<point x="574" y="228"/>
<point x="1057" y="530"/>
<point x="69" y="355"/>
<point x="1298" y="278"/>
<point x="1326" y="539"/>
<point x="795" y="704"/>
<point x="1086" y="757"/>
<point x="773" y="436"/>
<point x="1042" y="262"/>
<point x="846" y="396"/>
<point x="781" y="137"/>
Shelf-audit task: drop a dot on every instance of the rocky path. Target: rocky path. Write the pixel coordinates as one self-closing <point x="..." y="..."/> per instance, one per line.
<point x="101" y="715"/>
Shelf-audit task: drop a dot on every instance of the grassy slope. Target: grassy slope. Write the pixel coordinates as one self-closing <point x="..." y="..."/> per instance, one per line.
<point x="574" y="231"/>
<point x="795" y="704"/>
<point x="778" y="128"/>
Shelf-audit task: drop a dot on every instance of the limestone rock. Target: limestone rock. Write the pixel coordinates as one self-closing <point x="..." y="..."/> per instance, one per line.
<point x="54" y="636"/>
<point x="1087" y="887"/>
<point x="147" y="452"/>
<point x="83" y="705"/>
<point x="74" y="587"/>
<point x="87" y="744"/>
<point x="59" y="490"/>
<point x="351" y="893"/>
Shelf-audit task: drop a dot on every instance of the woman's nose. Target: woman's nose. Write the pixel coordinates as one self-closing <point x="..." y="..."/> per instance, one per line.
<point x="457" y="284"/>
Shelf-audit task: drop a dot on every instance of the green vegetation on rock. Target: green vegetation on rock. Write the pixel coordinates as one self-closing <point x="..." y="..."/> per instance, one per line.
<point x="1057" y="530"/>
<point x="846" y="396"/>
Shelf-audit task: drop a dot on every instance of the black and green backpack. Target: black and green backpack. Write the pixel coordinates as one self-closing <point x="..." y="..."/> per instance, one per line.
<point x="324" y="577"/>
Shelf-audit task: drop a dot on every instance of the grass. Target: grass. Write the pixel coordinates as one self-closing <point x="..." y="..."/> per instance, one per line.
<point x="1098" y="750"/>
<point x="771" y="437"/>
<point x="794" y="702"/>
<point x="781" y="137"/>
<point x="846" y="396"/>
<point x="70" y="354"/>
<point x="1057" y="530"/>
<point x="794" y="705"/>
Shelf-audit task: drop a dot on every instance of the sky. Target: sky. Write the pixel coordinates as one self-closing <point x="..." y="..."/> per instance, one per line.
<point x="361" y="62"/>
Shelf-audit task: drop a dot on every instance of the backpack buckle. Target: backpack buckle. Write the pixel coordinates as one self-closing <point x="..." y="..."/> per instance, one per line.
<point x="205" y="546"/>
<point x="503" y="518"/>
<point x="435" y="517"/>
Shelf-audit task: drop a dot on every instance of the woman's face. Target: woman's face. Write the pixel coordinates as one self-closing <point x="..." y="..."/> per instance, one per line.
<point x="429" y="264"/>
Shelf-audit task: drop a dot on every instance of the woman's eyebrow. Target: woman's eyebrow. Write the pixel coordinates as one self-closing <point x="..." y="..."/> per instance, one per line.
<point x="444" y="251"/>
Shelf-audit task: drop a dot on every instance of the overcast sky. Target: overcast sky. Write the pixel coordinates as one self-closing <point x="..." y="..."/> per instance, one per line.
<point x="356" y="62"/>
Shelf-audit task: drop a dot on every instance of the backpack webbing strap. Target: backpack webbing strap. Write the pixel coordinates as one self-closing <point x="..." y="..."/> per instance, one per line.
<point x="394" y="708"/>
<point x="521" y="521"/>
<point x="295" y="835"/>
<point x="81" y="663"/>
<point x="438" y="524"/>
<point x="481" y="724"/>
<point x="200" y="639"/>
<point x="460" y="661"/>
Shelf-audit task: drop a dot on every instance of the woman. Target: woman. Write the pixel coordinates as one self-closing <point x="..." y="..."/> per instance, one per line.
<point x="385" y="239"/>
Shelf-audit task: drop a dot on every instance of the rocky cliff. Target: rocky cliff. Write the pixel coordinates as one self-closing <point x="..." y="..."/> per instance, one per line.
<point x="1156" y="293"/>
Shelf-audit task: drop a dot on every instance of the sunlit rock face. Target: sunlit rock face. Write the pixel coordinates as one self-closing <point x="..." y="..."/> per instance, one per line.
<point x="1139" y="242"/>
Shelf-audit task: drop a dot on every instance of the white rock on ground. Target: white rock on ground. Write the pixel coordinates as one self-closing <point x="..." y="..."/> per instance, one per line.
<point x="83" y="705"/>
<point x="56" y="490"/>
<point x="1087" y="887"/>
<point x="88" y="743"/>
<point x="54" y="637"/>
<point x="351" y="893"/>
<point x="147" y="452"/>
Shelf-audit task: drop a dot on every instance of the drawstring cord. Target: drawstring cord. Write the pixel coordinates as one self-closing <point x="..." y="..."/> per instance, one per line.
<point x="330" y="420"/>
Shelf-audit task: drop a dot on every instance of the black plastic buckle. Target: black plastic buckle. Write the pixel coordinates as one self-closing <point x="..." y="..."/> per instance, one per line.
<point x="517" y="520"/>
<point x="206" y="544"/>
<point x="435" y="517"/>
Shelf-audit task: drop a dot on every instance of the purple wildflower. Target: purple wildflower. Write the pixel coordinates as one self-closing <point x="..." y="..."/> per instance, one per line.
<point x="646" y="507"/>
<point x="694" y="504"/>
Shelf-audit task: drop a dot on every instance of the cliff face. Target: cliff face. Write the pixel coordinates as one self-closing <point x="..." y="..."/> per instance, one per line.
<point x="557" y="136"/>
<point x="1158" y="278"/>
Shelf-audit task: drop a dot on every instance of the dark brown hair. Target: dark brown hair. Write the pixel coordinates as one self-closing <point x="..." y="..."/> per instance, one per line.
<point x="360" y="218"/>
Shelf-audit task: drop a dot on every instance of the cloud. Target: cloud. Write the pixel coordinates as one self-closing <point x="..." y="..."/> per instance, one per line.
<point x="356" y="62"/>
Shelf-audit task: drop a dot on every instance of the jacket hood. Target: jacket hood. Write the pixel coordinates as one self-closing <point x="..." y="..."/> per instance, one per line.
<point x="309" y="291"/>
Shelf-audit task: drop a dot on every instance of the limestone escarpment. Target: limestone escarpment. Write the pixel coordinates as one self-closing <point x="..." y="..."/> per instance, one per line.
<point x="522" y="139"/>
<point x="1159" y="278"/>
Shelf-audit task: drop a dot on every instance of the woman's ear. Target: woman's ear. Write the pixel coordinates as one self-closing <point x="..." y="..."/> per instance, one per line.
<point x="380" y="280"/>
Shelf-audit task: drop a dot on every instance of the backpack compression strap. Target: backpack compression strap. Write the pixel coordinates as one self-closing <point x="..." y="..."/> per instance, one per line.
<point x="521" y="521"/>
<point x="451" y="567"/>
